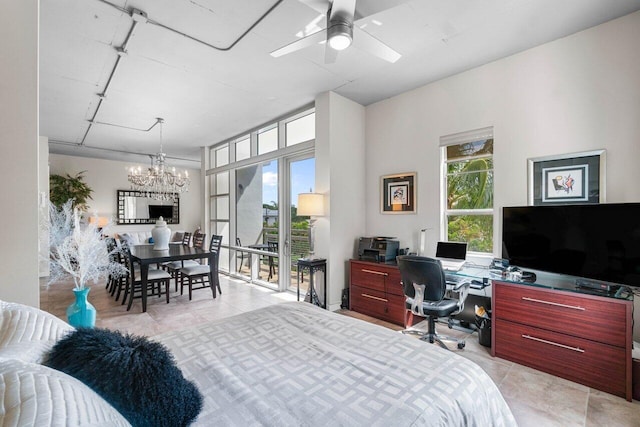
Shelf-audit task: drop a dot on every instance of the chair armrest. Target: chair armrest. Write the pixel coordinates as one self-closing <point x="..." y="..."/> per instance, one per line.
<point x="462" y="289"/>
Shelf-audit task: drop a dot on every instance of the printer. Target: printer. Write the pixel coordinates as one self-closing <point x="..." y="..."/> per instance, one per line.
<point x="377" y="249"/>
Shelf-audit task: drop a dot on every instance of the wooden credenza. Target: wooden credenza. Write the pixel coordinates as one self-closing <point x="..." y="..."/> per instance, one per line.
<point x="580" y="337"/>
<point x="375" y="290"/>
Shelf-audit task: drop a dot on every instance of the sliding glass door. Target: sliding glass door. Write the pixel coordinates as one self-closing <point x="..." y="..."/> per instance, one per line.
<point x="301" y="180"/>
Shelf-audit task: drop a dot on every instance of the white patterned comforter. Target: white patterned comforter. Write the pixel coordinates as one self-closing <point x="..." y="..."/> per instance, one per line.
<point x="294" y="364"/>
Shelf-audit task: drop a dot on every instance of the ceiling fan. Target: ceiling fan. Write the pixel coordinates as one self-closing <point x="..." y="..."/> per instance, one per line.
<point x="342" y="29"/>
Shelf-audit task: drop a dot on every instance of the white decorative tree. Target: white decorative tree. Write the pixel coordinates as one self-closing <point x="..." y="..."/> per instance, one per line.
<point x="77" y="250"/>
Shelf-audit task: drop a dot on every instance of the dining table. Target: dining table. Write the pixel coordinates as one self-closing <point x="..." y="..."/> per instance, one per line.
<point x="145" y="256"/>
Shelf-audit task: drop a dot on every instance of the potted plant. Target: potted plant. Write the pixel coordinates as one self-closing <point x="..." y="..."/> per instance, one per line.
<point x="67" y="187"/>
<point x="78" y="251"/>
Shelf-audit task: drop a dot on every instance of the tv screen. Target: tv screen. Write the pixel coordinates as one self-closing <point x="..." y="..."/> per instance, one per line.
<point x="157" y="211"/>
<point x="594" y="241"/>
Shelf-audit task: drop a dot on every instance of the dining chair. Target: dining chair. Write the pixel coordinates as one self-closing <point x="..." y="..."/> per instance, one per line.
<point x="200" y="273"/>
<point x="156" y="278"/>
<point x="239" y="254"/>
<point x="273" y="261"/>
<point x="172" y="267"/>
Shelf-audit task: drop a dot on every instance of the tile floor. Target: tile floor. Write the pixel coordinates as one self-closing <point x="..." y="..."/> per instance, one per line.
<point x="536" y="398"/>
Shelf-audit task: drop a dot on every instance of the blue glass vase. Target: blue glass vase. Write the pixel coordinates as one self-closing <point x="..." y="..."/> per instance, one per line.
<point x="81" y="314"/>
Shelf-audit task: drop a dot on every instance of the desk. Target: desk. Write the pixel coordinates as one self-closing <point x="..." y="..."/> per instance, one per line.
<point x="145" y="256"/>
<point x="313" y="265"/>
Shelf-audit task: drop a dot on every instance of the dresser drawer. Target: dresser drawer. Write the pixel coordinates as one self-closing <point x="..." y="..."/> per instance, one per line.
<point x="395" y="309"/>
<point x="593" y="318"/>
<point x="368" y="276"/>
<point x="593" y="364"/>
<point x="394" y="285"/>
<point x="368" y="301"/>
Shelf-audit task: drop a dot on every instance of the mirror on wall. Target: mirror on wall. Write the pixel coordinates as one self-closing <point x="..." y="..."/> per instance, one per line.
<point x="134" y="207"/>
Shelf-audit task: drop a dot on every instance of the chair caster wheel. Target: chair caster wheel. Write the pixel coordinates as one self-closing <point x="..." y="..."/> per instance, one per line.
<point x="461" y="345"/>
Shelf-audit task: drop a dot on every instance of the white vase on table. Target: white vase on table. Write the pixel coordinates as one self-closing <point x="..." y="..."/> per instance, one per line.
<point x="161" y="234"/>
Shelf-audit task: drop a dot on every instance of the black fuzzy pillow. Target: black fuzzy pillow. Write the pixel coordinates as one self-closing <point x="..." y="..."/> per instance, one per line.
<point x="137" y="376"/>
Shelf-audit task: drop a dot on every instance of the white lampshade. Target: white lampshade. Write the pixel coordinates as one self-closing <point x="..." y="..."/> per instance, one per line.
<point x="310" y="204"/>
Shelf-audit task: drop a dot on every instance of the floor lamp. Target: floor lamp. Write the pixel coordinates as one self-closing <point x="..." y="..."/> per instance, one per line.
<point x="311" y="205"/>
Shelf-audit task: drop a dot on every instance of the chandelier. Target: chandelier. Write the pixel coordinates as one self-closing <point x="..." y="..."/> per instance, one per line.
<point x="159" y="182"/>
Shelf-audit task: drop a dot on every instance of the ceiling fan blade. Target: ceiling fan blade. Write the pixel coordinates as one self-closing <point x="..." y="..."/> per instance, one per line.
<point x="365" y="41"/>
<point x="315" y="38"/>
<point x="371" y="7"/>
<point x="319" y="5"/>
<point x="343" y="8"/>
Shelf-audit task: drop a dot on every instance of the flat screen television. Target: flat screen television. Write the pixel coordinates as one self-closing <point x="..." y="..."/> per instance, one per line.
<point x="594" y="241"/>
<point x="157" y="211"/>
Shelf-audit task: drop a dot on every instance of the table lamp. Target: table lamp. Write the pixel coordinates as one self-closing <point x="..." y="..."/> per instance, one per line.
<point x="311" y="205"/>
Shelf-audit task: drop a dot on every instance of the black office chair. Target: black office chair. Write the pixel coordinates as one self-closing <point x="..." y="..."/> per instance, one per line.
<point x="425" y="287"/>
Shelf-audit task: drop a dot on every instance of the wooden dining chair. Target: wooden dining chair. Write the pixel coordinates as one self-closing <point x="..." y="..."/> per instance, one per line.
<point x="273" y="261"/>
<point x="156" y="278"/>
<point x="239" y="254"/>
<point x="172" y="267"/>
<point x="200" y="273"/>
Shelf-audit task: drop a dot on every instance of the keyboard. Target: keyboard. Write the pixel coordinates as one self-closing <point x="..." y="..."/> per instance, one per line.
<point x="454" y="279"/>
<point x="451" y="265"/>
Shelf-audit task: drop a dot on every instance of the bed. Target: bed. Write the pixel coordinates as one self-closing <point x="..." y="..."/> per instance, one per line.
<point x="294" y="364"/>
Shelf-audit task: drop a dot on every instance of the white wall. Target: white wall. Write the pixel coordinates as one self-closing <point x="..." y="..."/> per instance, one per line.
<point x="579" y="93"/>
<point x="19" y="148"/>
<point x="43" y="200"/>
<point x="575" y="94"/>
<point x="340" y="176"/>
<point x="107" y="176"/>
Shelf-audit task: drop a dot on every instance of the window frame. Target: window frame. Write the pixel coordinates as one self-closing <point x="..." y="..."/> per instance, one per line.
<point x="445" y="213"/>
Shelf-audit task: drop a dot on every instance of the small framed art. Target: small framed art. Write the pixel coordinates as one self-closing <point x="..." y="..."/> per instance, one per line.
<point x="574" y="178"/>
<point x="398" y="193"/>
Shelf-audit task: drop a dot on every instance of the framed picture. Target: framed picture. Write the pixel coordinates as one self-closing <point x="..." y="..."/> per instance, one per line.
<point x="574" y="178"/>
<point x="398" y="193"/>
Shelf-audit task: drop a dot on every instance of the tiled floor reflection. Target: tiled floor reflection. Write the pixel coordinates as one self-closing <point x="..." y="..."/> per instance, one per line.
<point x="536" y="399"/>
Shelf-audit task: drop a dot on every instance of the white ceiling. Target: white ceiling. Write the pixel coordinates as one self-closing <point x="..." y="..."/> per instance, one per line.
<point x="207" y="95"/>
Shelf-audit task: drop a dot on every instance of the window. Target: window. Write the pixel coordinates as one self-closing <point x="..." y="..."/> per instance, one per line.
<point x="243" y="148"/>
<point x="301" y="129"/>
<point x="245" y="193"/>
<point x="468" y="189"/>
<point x="268" y="140"/>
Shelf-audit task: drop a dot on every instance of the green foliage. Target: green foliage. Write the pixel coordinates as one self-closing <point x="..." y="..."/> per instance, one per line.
<point x="63" y="188"/>
<point x="476" y="230"/>
<point x="470" y="187"/>
<point x="470" y="184"/>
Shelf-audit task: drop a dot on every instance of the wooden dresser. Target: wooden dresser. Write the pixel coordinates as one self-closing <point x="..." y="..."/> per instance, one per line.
<point x="375" y="290"/>
<point x="580" y="337"/>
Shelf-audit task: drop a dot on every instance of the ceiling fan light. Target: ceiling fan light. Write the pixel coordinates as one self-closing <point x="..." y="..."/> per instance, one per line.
<point x="340" y="36"/>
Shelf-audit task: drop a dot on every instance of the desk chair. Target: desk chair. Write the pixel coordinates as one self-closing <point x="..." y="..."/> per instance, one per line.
<point x="425" y="287"/>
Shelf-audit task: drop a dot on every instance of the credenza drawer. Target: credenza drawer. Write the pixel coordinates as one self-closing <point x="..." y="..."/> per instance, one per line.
<point x="394" y="285"/>
<point x="584" y="361"/>
<point x="370" y="277"/>
<point x="368" y="301"/>
<point x="593" y="318"/>
<point x="377" y="304"/>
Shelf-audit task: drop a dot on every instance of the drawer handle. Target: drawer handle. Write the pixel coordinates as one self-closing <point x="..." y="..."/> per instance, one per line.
<point x="577" y="349"/>
<point x="573" y="307"/>
<point x="374" y="272"/>
<point x="372" y="297"/>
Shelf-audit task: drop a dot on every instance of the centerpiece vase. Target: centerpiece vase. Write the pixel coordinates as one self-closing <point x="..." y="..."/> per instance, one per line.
<point x="81" y="314"/>
<point x="161" y="234"/>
